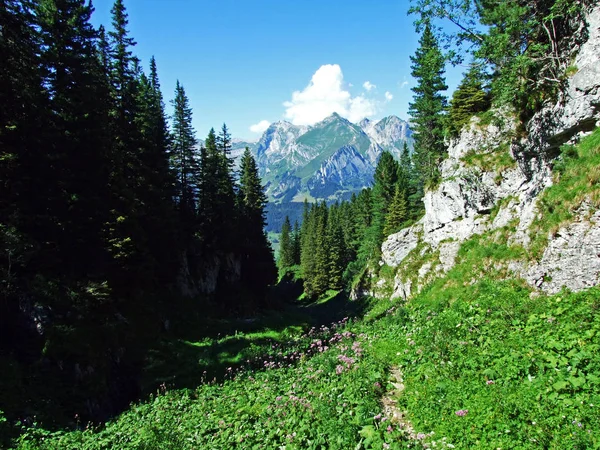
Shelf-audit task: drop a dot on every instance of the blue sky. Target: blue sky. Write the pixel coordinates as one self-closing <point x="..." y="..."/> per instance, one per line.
<point x="248" y="63"/>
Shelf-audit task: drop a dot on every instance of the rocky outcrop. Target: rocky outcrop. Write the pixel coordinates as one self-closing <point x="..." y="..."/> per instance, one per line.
<point x="578" y="109"/>
<point x="395" y="250"/>
<point x="195" y="280"/>
<point x="492" y="178"/>
<point x="571" y="260"/>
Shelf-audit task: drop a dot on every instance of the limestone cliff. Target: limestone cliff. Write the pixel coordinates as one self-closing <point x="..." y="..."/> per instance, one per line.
<point x="492" y="181"/>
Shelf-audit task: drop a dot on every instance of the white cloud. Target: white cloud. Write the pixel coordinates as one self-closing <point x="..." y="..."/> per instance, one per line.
<point x="360" y="107"/>
<point x="260" y="127"/>
<point x="403" y="84"/>
<point x="368" y="86"/>
<point x="324" y="95"/>
<point x="388" y="96"/>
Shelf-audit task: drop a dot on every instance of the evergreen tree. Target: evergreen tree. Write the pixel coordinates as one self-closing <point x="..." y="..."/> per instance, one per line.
<point x="225" y="184"/>
<point x="336" y="249"/>
<point x="183" y="158"/>
<point x="320" y="275"/>
<point x="528" y="44"/>
<point x="397" y="213"/>
<point x="296" y="243"/>
<point x="427" y="109"/>
<point x="103" y="50"/>
<point x="286" y="245"/>
<point x="126" y="237"/>
<point x="224" y="144"/>
<point x="385" y="180"/>
<point x="218" y="214"/>
<point x="468" y="99"/>
<point x="309" y="244"/>
<point x="413" y="185"/>
<point x="23" y="162"/>
<point x="157" y="194"/>
<point x="77" y="178"/>
<point x="123" y="64"/>
<point x="258" y="265"/>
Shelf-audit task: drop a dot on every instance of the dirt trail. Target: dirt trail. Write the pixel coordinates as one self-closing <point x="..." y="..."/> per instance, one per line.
<point x="390" y="404"/>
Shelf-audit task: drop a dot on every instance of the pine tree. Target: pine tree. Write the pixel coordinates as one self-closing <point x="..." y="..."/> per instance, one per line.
<point x="258" y="265"/>
<point x="156" y="212"/>
<point x="320" y="275"/>
<point x="77" y="178"/>
<point x="468" y="99"/>
<point x="24" y="159"/>
<point x="286" y="245"/>
<point x="385" y="180"/>
<point x="397" y="213"/>
<point x="413" y="185"/>
<point x="427" y="109"/>
<point x="309" y="233"/>
<point x="123" y="64"/>
<point x="183" y="159"/>
<point x="218" y="214"/>
<point x="296" y="244"/>
<point x="336" y="249"/>
<point x="224" y="143"/>
<point x="126" y="236"/>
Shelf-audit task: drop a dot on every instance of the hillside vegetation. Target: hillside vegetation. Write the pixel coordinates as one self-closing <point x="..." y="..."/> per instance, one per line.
<point x="486" y="365"/>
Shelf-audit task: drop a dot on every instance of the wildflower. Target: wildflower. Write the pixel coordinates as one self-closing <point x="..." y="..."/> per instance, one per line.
<point x="386" y="445"/>
<point x="377" y="385"/>
<point x="462" y="412"/>
<point x="389" y="429"/>
<point x="488" y="382"/>
<point x="421" y="436"/>
<point x="377" y="417"/>
<point x="339" y="369"/>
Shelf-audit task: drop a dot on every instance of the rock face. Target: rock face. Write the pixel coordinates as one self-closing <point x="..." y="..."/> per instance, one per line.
<point x="390" y="133"/>
<point x="195" y="280"/>
<point x="345" y="169"/>
<point x="490" y="169"/>
<point x="572" y="259"/>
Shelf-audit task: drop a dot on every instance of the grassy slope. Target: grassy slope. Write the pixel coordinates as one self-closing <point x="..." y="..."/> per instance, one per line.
<point x="523" y="368"/>
<point x="526" y="369"/>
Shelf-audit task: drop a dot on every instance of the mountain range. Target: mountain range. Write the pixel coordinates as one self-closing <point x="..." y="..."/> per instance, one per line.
<point x="327" y="161"/>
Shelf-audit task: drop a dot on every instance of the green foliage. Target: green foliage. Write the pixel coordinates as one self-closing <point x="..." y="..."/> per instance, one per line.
<point x="339" y="242"/>
<point x="397" y="213"/>
<point x="386" y="178"/>
<point x="468" y="99"/>
<point x="428" y="106"/>
<point x="498" y="159"/>
<point x="286" y="251"/>
<point x="258" y="265"/>
<point x="91" y="247"/>
<point x="523" y="368"/>
<point x="183" y="159"/>
<point x="484" y="364"/>
<point x="528" y="46"/>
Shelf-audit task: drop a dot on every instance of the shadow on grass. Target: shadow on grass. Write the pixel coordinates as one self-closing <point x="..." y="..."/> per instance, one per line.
<point x="189" y="357"/>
